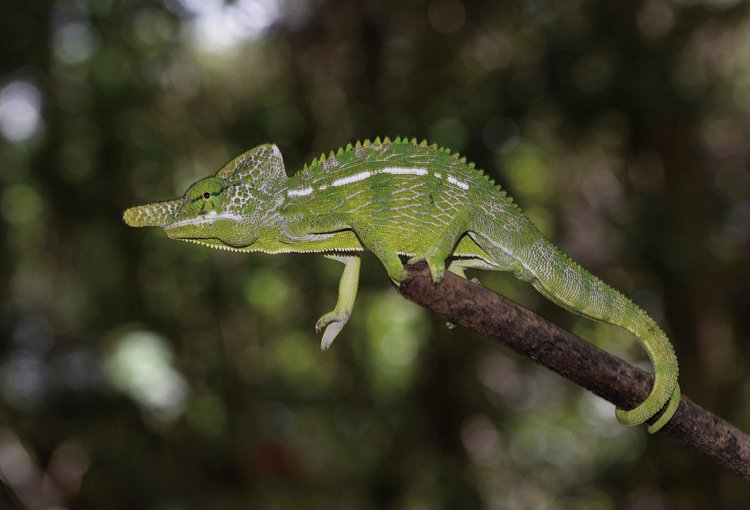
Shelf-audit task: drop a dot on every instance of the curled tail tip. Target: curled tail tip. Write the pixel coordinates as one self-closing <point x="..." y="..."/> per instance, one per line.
<point x="639" y="415"/>
<point x="674" y="403"/>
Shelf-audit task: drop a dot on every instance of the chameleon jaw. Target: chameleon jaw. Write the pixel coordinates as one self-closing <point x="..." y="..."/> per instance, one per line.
<point x="204" y="219"/>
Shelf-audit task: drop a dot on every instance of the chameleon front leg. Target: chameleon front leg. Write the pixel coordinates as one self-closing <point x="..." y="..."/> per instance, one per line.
<point x="333" y="322"/>
<point x="378" y="245"/>
<point x="368" y="236"/>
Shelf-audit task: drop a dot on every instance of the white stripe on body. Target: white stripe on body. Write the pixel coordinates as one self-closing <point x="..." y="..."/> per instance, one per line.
<point x="351" y="179"/>
<point x="361" y="176"/>
<point x="458" y="183"/>
<point x="300" y="192"/>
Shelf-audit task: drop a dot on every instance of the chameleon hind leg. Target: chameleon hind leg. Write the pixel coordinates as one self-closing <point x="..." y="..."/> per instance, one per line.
<point x="459" y="266"/>
<point x="436" y="255"/>
<point x="333" y="322"/>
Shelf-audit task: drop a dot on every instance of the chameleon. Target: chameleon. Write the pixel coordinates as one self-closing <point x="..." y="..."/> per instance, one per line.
<point x="400" y="199"/>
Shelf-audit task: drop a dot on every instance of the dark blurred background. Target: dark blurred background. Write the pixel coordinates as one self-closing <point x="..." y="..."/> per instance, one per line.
<point x="137" y="372"/>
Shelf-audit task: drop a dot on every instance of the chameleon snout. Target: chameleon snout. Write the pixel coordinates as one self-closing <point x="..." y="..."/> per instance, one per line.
<point x="157" y="214"/>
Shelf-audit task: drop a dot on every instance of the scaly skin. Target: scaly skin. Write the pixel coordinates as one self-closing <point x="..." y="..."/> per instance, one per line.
<point x="399" y="199"/>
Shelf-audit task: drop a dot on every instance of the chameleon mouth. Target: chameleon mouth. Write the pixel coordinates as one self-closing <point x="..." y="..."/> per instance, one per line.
<point x="204" y="219"/>
<point x="217" y="244"/>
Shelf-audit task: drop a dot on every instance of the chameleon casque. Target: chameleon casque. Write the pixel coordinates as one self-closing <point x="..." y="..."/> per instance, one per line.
<point x="400" y="199"/>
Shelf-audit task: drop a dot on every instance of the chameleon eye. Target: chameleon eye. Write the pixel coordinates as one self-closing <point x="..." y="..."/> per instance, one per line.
<point x="206" y="196"/>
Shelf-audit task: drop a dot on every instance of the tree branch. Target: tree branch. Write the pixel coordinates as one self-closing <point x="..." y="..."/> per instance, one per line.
<point x="489" y="314"/>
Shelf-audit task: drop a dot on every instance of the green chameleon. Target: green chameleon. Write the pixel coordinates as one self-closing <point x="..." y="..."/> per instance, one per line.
<point x="399" y="198"/>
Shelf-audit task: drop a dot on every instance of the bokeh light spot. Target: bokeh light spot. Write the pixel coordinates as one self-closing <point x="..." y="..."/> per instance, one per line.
<point x="21" y="205"/>
<point x="217" y="26"/>
<point x="140" y="365"/>
<point x="20" y="106"/>
<point x="267" y="291"/>
<point x="75" y="42"/>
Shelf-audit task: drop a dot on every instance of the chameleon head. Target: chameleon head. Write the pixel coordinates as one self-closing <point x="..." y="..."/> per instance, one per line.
<point x="228" y="210"/>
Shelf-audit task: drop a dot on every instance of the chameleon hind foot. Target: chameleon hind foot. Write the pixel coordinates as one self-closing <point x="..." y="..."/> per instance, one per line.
<point x="435" y="263"/>
<point x="444" y="246"/>
<point x="458" y="269"/>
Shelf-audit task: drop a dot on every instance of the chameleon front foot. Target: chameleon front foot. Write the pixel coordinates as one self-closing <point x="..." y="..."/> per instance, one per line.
<point x="333" y="322"/>
<point x="397" y="274"/>
<point x="331" y="325"/>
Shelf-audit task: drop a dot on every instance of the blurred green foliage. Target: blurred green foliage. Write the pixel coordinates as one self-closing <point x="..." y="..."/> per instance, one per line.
<point x="136" y="372"/>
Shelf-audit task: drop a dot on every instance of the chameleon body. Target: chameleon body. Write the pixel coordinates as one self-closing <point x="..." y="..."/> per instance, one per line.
<point x="400" y="199"/>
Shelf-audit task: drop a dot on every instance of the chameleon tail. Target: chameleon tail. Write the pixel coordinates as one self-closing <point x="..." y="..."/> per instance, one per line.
<point x="534" y="259"/>
<point x="664" y="361"/>
<point x="577" y="290"/>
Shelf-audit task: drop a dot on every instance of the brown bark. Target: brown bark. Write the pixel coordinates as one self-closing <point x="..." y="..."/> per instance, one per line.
<point x="503" y="321"/>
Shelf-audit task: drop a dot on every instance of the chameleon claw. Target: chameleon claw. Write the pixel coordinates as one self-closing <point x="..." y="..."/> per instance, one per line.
<point x="331" y="324"/>
<point x="399" y="276"/>
<point x="330" y="334"/>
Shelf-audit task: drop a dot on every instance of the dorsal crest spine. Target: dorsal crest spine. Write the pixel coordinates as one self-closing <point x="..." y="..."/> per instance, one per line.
<point x="320" y="164"/>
